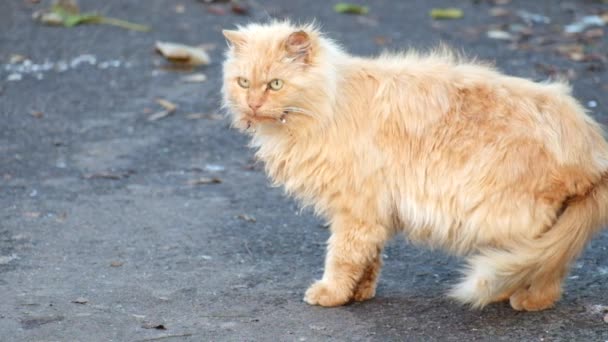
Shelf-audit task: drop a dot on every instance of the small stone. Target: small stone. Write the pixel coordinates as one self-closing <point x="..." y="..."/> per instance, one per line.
<point x="592" y="104"/>
<point x="80" y="300"/>
<point x="500" y="35"/>
<point x="214" y="168"/>
<point x="14" y="77"/>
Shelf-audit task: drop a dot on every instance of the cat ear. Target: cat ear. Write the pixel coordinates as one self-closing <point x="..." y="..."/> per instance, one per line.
<point x="299" y="46"/>
<point x="234" y="38"/>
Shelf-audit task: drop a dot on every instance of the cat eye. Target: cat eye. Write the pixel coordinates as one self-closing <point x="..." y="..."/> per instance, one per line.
<point x="243" y="82"/>
<point x="275" y="84"/>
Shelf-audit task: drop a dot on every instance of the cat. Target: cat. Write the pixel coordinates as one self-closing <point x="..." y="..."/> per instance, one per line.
<point x="509" y="173"/>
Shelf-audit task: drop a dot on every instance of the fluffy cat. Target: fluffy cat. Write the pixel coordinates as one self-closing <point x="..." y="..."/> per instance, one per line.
<point x="510" y="173"/>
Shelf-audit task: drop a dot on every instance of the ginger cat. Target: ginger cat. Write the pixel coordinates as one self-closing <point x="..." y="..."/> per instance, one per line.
<point x="510" y="173"/>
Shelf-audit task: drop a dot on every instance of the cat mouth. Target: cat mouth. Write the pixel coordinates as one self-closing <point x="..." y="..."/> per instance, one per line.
<point x="260" y="118"/>
<point x="254" y="117"/>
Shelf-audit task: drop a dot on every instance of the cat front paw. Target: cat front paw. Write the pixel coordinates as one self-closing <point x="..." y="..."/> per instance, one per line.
<point x="323" y="294"/>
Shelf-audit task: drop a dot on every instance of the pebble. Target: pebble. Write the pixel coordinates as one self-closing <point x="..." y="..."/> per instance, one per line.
<point x="17" y="68"/>
<point x="14" y="77"/>
<point x="500" y="35"/>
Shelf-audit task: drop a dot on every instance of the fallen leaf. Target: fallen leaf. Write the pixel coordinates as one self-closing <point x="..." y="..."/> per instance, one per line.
<point x="499" y="12"/>
<point x="108" y="175"/>
<point x="67" y="13"/>
<point x="80" y="300"/>
<point x="593" y="33"/>
<point x="180" y="53"/>
<point x="150" y="325"/>
<point x="574" y="52"/>
<point x="32" y="214"/>
<point x="239" y="8"/>
<point x="247" y="218"/>
<point x="169" y="107"/>
<point x="62" y="217"/>
<point x="194" y="78"/>
<point x="37" y="114"/>
<point x="205" y="180"/>
<point x="348" y="8"/>
<point x="217" y="10"/>
<point x="16" y="58"/>
<point x="116" y="263"/>
<point x="446" y="13"/>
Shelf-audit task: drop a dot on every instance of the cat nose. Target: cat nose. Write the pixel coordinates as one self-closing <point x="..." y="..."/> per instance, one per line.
<point x="254" y="105"/>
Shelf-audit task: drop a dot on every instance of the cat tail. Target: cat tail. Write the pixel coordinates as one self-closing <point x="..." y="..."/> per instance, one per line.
<point x="494" y="274"/>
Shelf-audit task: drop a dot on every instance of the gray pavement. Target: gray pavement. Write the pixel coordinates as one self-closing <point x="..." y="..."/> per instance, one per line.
<point x="103" y="237"/>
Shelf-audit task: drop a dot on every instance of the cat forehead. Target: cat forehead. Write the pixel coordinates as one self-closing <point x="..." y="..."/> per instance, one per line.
<point x="260" y="61"/>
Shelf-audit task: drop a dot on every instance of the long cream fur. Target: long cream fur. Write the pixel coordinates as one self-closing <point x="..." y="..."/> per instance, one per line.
<point x="507" y="172"/>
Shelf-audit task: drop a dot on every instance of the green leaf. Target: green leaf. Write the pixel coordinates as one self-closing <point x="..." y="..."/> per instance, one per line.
<point x="347" y="8"/>
<point x="72" y="18"/>
<point x="446" y="13"/>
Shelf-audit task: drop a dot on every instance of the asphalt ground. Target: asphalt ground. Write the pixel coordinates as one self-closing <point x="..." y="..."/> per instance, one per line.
<point x="105" y="237"/>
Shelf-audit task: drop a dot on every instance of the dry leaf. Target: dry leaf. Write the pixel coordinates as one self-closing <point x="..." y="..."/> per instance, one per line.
<point x="217" y="10"/>
<point x="239" y="8"/>
<point x="205" y="180"/>
<point x="116" y="263"/>
<point x="574" y="52"/>
<point x="62" y="217"/>
<point x="32" y="214"/>
<point x="151" y="325"/>
<point x="594" y="33"/>
<point x="180" y="53"/>
<point x="16" y="58"/>
<point x="499" y="12"/>
<point x="169" y="106"/>
<point x="37" y="114"/>
<point x="247" y="218"/>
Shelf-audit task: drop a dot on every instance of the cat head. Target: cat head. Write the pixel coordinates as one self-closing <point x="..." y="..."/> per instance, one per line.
<point x="277" y="77"/>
